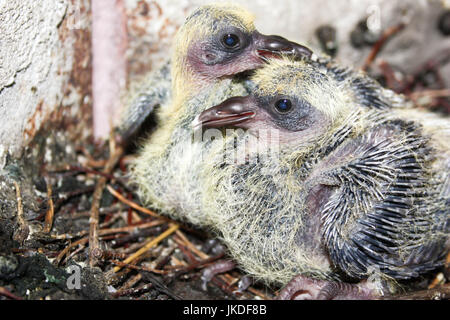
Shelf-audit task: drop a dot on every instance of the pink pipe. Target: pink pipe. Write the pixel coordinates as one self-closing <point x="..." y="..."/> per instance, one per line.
<point x="109" y="43"/>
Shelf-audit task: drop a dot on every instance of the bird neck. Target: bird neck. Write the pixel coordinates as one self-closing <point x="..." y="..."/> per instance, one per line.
<point x="305" y="157"/>
<point x="186" y="83"/>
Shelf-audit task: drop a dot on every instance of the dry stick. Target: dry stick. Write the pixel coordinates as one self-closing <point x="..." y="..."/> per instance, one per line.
<point x="185" y="251"/>
<point x="441" y="292"/>
<point x="103" y="232"/>
<point x="67" y="249"/>
<point x="388" y="33"/>
<point x="48" y="223"/>
<point x="94" y="247"/>
<point x="224" y="277"/>
<point x="75" y="252"/>
<point x="197" y="264"/>
<point x="442" y="93"/>
<point x="129" y="284"/>
<point x="23" y="230"/>
<point x="151" y="243"/>
<point x="191" y="246"/>
<point x="131" y="203"/>
<point x="140" y="268"/>
<point x="128" y="292"/>
<point x="20" y="217"/>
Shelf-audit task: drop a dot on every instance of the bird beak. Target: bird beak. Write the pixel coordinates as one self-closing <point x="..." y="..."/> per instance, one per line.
<point x="275" y="46"/>
<point x="231" y="112"/>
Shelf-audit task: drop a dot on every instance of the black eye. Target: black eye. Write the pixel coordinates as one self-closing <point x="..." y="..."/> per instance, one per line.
<point x="283" y="105"/>
<point x="231" y="40"/>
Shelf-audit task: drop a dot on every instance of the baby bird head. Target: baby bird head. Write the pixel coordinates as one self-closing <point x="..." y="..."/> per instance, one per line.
<point x="294" y="97"/>
<point x="221" y="40"/>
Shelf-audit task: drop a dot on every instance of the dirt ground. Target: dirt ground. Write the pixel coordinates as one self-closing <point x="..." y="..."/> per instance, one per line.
<point x="48" y="196"/>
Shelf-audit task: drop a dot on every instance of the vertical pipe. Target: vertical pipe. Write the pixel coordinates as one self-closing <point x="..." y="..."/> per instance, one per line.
<point x="109" y="43"/>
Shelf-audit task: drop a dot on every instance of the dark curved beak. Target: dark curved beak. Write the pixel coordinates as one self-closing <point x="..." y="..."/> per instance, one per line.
<point x="274" y="46"/>
<point x="231" y="112"/>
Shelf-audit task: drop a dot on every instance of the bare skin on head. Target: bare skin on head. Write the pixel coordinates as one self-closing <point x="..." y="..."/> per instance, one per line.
<point x="215" y="42"/>
<point x="218" y="41"/>
<point x="360" y="190"/>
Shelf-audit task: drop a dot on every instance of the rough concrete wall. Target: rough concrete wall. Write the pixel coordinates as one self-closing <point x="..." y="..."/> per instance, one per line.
<point x="152" y="25"/>
<point x="44" y="70"/>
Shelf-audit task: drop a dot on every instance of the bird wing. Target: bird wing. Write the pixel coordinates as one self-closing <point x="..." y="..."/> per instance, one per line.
<point x="368" y="92"/>
<point x="388" y="214"/>
<point x="153" y="92"/>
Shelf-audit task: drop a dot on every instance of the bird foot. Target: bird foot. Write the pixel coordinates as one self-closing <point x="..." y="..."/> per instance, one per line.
<point x="214" y="247"/>
<point x="220" y="266"/>
<point x="304" y="288"/>
<point x="243" y="284"/>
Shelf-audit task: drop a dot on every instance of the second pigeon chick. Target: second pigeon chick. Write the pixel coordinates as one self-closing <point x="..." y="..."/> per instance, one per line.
<point x="340" y="180"/>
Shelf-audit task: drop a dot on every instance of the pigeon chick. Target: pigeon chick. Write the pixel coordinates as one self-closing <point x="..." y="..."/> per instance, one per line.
<point x="338" y="181"/>
<point x="216" y="41"/>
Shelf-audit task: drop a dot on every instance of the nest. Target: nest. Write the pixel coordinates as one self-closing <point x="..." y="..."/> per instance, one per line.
<point x="82" y="216"/>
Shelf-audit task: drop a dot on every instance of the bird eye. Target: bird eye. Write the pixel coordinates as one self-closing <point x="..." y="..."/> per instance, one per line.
<point x="283" y="105"/>
<point x="231" y="40"/>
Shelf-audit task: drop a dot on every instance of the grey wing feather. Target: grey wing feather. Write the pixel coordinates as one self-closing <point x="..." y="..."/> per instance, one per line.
<point x="154" y="91"/>
<point x="387" y="217"/>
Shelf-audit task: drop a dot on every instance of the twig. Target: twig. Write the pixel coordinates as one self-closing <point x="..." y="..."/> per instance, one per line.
<point x="48" y="223"/>
<point x="140" y="268"/>
<point x="131" y="203"/>
<point x="102" y="232"/>
<point x="198" y="264"/>
<point x="430" y="93"/>
<point x="83" y="214"/>
<point x="189" y="244"/>
<point x="130" y="283"/>
<point x="150" y="244"/>
<point x="67" y="249"/>
<point x="66" y="195"/>
<point x="20" y="217"/>
<point x="116" y="153"/>
<point x="185" y="251"/>
<point x="81" y="247"/>
<point x="387" y="34"/>
<point x="430" y="65"/>
<point x="228" y="279"/>
<point x="131" y="291"/>
<point x="164" y="257"/>
<point x="437" y="293"/>
<point x="22" y="232"/>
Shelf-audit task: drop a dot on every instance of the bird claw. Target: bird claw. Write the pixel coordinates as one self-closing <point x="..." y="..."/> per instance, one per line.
<point x="214" y="247"/>
<point x="243" y="284"/>
<point x="220" y="266"/>
<point x="304" y="288"/>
